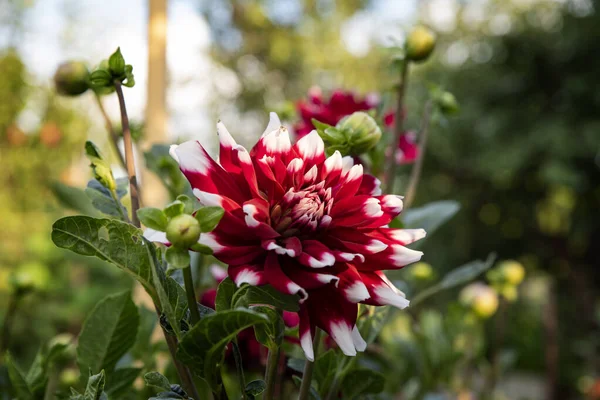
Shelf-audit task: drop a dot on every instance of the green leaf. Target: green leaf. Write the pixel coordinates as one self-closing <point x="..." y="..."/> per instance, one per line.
<point x="201" y="248"/>
<point x="158" y="381"/>
<point x="95" y="387"/>
<point x="320" y="125"/>
<point x="313" y="391"/>
<point x="190" y="204"/>
<point x="107" y="333"/>
<point x="122" y="245"/>
<point x="100" y="78"/>
<point x="225" y="292"/>
<point x="203" y="346"/>
<point x="360" y="382"/>
<point x="255" y="388"/>
<point x="174" y="209"/>
<point x="119" y="382"/>
<point x="270" y="334"/>
<point x="168" y="396"/>
<point x="209" y="217"/>
<point x="153" y="218"/>
<point x="92" y="151"/>
<point x="17" y="379"/>
<point x="466" y="272"/>
<point x="116" y="63"/>
<point x="107" y="202"/>
<point x="248" y="295"/>
<point x="430" y="216"/>
<point x="177" y="258"/>
<point x="296" y="364"/>
<point x="37" y="375"/>
<point x="326" y="367"/>
<point x="73" y="198"/>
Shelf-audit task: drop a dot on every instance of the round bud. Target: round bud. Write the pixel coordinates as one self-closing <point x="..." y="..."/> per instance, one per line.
<point x="512" y="272"/>
<point x="482" y="299"/>
<point x="510" y="293"/>
<point x="447" y="103"/>
<point x="420" y="43"/>
<point x="72" y="78"/>
<point x="422" y="271"/>
<point x="183" y="231"/>
<point x="69" y="377"/>
<point x="361" y="131"/>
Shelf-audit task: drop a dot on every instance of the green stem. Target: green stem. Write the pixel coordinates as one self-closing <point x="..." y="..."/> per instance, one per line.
<point x="271" y="373"/>
<point x="308" y="369"/>
<point x="390" y="176"/>
<point x="111" y="131"/>
<point x="124" y="215"/>
<point x="133" y="186"/>
<point x="240" y="368"/>
<point x="11" y="310"/>
<point x="337" y="380"/>
<point x="415" y="174"/>
<point x="52" y="384"/>
<point x="188" y="281"/>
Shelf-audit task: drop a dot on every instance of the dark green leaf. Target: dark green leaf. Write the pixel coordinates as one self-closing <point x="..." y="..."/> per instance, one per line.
<point x="73" y="198"/>
<point x="225" y="293"/>
<point x="120" y="380"/>
<point x="326" y="367"/>
<point x="209" y="217"/>
<point x="107" y="333"/>
<point x="157" y="381"/>
<point x="270" y="334"/>
<point x="153" y="218"/>
<point x="100" y="78"/>
<point x="296" y="364"/>
<point x="466" y="272"/>
<point x="123" y="245"/>
<point x="190" y="204"/>
<point x="174" y="209"/>
<point x="177" y="258"/>
<point x="360" y="382"/>
<point x="91" y="150"/>
<point x="167" y="396"/>
<point x="256" y="387"/>
<point x="116" y="63"/>
<point x="105" y="201"/>
<point x="203" y="346"/>
<point x="17" y="379"/>
<point x="37" y="375"/>
<point x="248" y="295"/>
<point x="431" y="216"/>
<point x="95" y="387"/>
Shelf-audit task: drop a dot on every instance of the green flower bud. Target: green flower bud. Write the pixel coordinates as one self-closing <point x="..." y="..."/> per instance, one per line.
<point x="482" y="299"/>
<point x="422" y="271"/>
<point x="69" y="377"/>
<point x="420" y="43"/>
<point x="72" y="78"/>
<point x="62" y="349"/>
<point x="447" y="103"/>
<point x="512" y="272"/>
<point x="361" y="132"/>
<point x="29" y="276"/>
<point x="183" y="231"/>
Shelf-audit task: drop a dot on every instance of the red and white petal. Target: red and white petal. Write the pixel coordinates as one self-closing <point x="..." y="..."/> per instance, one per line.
<point x="393" y="257"/>
<point x="291" y="247"/>
<point x="316" y="255"/>
<point x="359" y="342"/>
<point x="229" y="253"/>
<point x="247" y="169"/>
<point x="355" y="241"/>
<point x="279" y="280"/>
<point x="226" y="146"/>
<point x="156" y="236"/>
<point x="391" y="206"/>
<point x="309" y="279"/>
<point x="351" y="284"/>
<point x="332" y="168"/>
<point x="382" y="291"/>
<point x="306" y="332"/>
<point x="370" y="185"/>
<point x="398" y="236"/>
<point x="357" y="211"/>
<point x="275" y="143"/>
<point x="311" y="148"/>
<point x="250" y="274"/>
<point x="213" y="199"/>
<point x="350" y="182"/>
<point x="256" y="216"/>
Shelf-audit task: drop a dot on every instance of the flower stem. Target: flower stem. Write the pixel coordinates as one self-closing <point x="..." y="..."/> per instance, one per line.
<point x="133" y="186"/>
<point x="188" y="280"/>
<point x="111" y="132"/>
<point x="184" y="373"/>
<point x="240" y="368"/>
<point x="52" y="384"/>
<point x="390" y="177"/>
<point x="271" y="372"/>
<point x="415" y="174"/>
<point x="308" y="369"/>
<point x="11" y="311"/>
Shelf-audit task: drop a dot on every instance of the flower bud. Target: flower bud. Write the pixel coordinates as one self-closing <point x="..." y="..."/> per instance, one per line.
<point x="420" y="43"/>
<point x="69" y="377"/>
<point x="481" y="298"/>
<point x="29" y="276"/>
<point x="422" y="271"/>
<point x="361" y="131"/>
<point x="183" y="231"/>
<point x="512" y="271"/>
<point x="72" y="78"/>
<point x="62" y="348"/>
<point x="447" y="103"/>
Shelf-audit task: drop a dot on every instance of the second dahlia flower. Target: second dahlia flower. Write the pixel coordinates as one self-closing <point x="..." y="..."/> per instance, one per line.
<point x="305" y="224"/>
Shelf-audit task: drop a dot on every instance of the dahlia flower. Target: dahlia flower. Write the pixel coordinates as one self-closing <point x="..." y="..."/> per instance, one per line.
<point x="305" y="224"/>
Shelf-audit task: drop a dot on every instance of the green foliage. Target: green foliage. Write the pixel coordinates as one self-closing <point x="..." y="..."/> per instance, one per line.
<point x="203" y="346"/>
<point x="430" y="216"/>
<point x="153" y="218"/>
<point x="177" y="257"/>
<point x="111" y="71"/>
<point x="73" y="198"/>
<point x="17" y="379"/>
<point x="94" y="389"/>
<point x="107" y="201"/>
<point x="108" y="333"/>
<point x="271" y="334"/>
<point x="360" y="382"/>
<point x="247" y="295"/>
<point x="255" y="388"/>
<point x="209" y="217"/>
<point x="225" y="293"/>
<point x="166" y="168"/>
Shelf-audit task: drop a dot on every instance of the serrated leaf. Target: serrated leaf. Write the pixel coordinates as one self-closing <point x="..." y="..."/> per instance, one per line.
<point x="116" y="63"/>
<point x="17" y="379"/>
<point x="107" y="333"/>
<point x="95" y="387"/>
<point x="255" y="387"/>
<point x="248" y="295"/>
<point x="225" y="292"/>
<point x="360" y="382"/>
<point x="119" y="382"/>
<point x="157" y="380"/>
<point x="430" y="216"/>
<point x="209" y="217"/>
<point x="153" y="218"/>
<point x="203" y="346"/>
<point x="270" y="334"/>
<point x="105" y="201"/>
<point x="122" y="245"/>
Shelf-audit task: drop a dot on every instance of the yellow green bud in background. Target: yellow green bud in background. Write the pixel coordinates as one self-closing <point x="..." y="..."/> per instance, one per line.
<point x="420" y="43"/>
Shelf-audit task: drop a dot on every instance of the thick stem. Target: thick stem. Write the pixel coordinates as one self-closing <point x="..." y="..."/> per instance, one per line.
<point x="11" y="311"/>
<point x="188" y="280"/>
<point x="271" y="373"/>
<point x="111" y="132"/>
<point x="133" y="186"/>
<point x="390" y="161"/>
<point x="415" y="174"/>
<point x="52" y="385"/>
<point x="308" y="369"/>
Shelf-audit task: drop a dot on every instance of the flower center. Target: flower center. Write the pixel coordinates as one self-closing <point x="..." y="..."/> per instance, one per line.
<point x="302" y="211"/>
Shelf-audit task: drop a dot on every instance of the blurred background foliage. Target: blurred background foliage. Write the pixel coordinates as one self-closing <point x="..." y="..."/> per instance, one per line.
<point x="522" y="159"/>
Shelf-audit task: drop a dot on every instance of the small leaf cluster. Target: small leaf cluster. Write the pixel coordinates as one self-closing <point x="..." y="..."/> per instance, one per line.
<point x="353" y="135"/>
<point x="183" y="225"/>
<point x="103" y="78"/>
